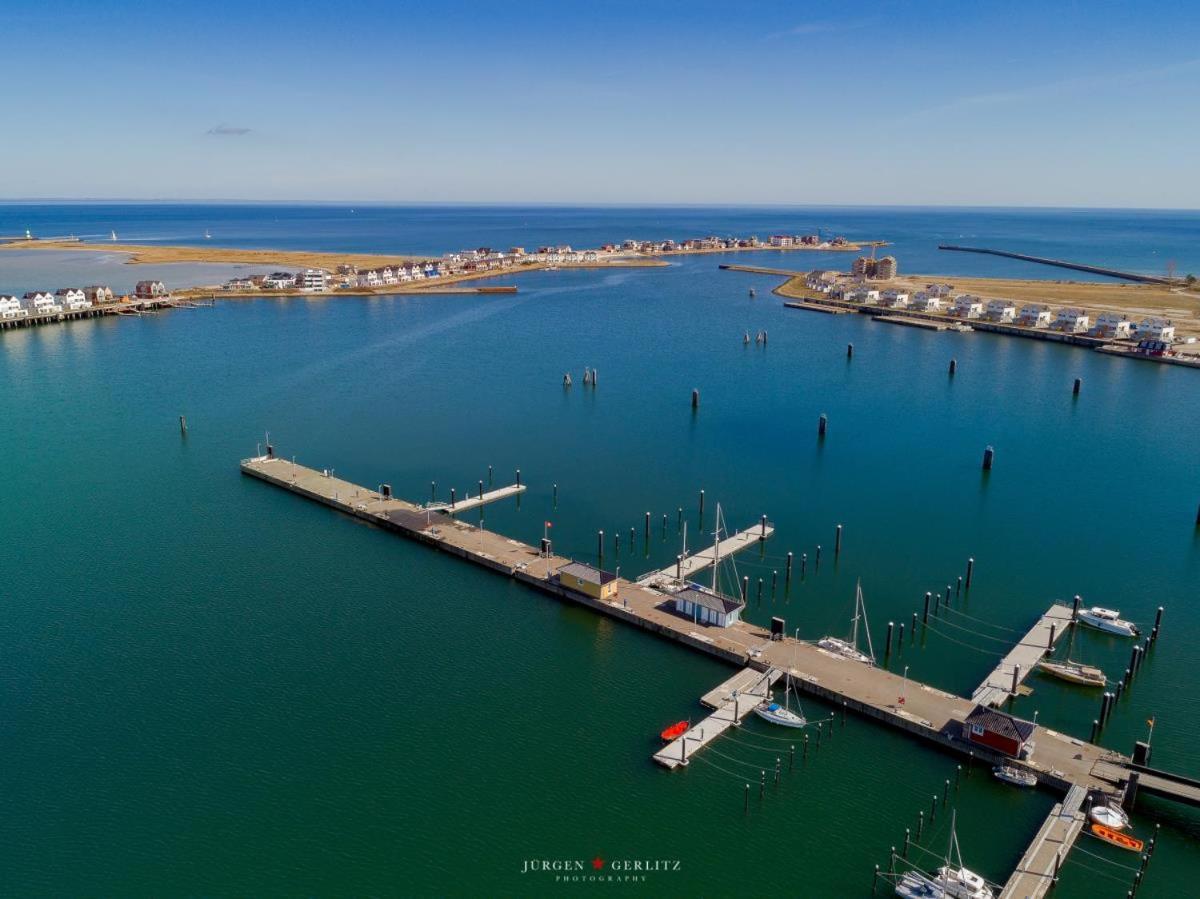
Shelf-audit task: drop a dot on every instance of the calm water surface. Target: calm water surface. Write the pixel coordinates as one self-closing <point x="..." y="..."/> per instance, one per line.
<point x="209" y="686"/>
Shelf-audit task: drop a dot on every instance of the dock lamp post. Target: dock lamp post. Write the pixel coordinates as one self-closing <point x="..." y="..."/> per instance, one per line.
<point x="904" y="686"/>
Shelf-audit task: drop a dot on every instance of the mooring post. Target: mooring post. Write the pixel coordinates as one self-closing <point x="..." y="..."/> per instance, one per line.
<point x="957" y="776"/>
<point x="453" y="499"/>
<point x="1128" y="677"/>
<point x="702" y="506"/>
<point x="664" y="526"/>
<point x="1157" y="622"/>
<point x="1050" y="642"/>
<point x="762" y="784"/>
<point x="920" y="825"/>
<point x="928" y="596"/>
<point x="817" y="558"/>
<point x="1095" y="730"/>
<point x="970" y="572"/>
<point x="647" y="525"/>
<point x="679" y="519"/>
<point x="823" y="424"/>
<point x="182" y="425"/>
<point x="946" y="793"/>
<point x="875" y="880"/>
<point x="433" y="491"/>
<point x="803" y="565"/>
<point x="947" y="594"/>
<point x="970" y="762"/>
<point x="600" y="549"/>
<point x="778" y="767"/>
<point x="900" y="637"/>
<point x="679" y="568"/>
<point x="1075" y="603"/>
<point x="1016" y="679"/>
<point x="849" y="351"/>
<point x="837" y="541"/>
<point x="892" y="862"/>
<point x="787" y="574"/>
<point x="762" y="534"/>
<point x="1119" y="690"/>
<point x="843" y="715"/>
<point x="746" y="802"/>
<point x="632" y="538"/>
<point x="912" y="635"/>
<point x="745" y="587"/>
<point x="988" y="455"/>
<point x="888" y="651"/>
<point x="933" y="809"/>
<point x="1078" y="385"/>
<point x="774" y="582"/>
<point x="518" y="477"/>
<point x="805" y="750"/>
<point x="760" y="586"/>
<point x="907" y="840"/>
<point x="695" y="399"/>
<point x="791" y="756"/>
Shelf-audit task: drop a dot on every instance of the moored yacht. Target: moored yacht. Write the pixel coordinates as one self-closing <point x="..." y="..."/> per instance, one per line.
<point x="1107" y="620"/>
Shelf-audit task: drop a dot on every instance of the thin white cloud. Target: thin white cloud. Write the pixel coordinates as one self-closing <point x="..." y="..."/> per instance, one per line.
<point x="228" y="131"/>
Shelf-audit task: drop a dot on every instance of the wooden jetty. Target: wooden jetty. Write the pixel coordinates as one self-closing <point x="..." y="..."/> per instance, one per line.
<point x="1038" y="868"/>
<point x="731" y="701"/>
<point x="682" y="571"/>
<point x="1006" y="677"/>
<point x="134" y="307"/>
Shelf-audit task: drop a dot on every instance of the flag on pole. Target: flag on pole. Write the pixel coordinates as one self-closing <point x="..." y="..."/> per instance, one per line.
<point x="1150" y="722"/>
<point x="901" y="700"/>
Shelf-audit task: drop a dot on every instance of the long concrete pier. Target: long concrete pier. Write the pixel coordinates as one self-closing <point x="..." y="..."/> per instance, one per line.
<point x="926" y="712"/>
<point x="1006" y="677"/>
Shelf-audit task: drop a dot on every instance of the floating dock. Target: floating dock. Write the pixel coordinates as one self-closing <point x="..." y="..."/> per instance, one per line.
<point x="474" y="502"/>
<point x="731" y="701"/>
<point x="682" y="571"/>
<point x="1006" y="677"/>
<point x="1038" y="868"/>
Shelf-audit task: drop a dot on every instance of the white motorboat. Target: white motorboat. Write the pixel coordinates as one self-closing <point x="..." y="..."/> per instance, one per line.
<point x="849" y="648"/>
<point x="1111" y="816"/>
<point x="780" y="714"/>
<point x="1107" y="620"/>
<point x="1016" y="776"/>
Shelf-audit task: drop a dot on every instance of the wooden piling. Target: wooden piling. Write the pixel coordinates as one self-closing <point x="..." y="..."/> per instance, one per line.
<point x="695" y="399"/>
<point x="900" y="636"/>
<point x="988" y="455"/>
<point x="182" y="425"/>
<point x="953" y="367"/>
<point x="787" y="576"/>
<point x="849" y="351"/>
<point x="701" y="506"/>
<point x="970" y="572"/>
<point x="1078" y="385"/>
<point x="888" y="650"/>
<point x="745" y="587"/>
<point x="823" y="424"/>
<point x="647" y="525"/>
<point x="925" y="616"/>
<point x="837" y="540"/>
<point x="600" y="549"/>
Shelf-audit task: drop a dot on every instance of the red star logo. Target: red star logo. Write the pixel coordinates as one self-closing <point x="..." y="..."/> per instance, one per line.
<point x="597" y="863"/>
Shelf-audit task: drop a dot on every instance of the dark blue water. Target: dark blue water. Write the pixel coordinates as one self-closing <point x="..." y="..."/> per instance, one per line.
<point x="1137" y="240"/>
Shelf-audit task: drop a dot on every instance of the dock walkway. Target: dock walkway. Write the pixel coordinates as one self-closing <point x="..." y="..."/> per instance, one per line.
<point x="1035" y="873"/>
<point x="927" y="713"/>
<point x="682" y="571"/>
<point x="474" y="502"/>
<point x="1004" y="679"/>
<point x="732" y="701"/>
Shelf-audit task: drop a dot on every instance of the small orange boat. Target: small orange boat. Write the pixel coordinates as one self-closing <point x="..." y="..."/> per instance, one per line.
<point x="675" y="730"/>
<point x="1117" y="839"/>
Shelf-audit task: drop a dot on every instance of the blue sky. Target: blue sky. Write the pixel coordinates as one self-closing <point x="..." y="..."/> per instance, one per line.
<point x="1046" y="103"/>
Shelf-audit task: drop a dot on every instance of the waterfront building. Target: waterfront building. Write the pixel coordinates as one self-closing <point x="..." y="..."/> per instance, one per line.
<point x="40" y="302"/>
<point x="369" y="278"/>
<point x="150" y="290"/>
<point x="240" y="284"/>
<point x="1071" y="321"/>
<point x="893" y="299"/>
<point x="863" y="267"/>
<point x="1156" y="329"/>
<point x="885" y="268"/>
<point x="939" y="290"/>
<point x="782" y="240"/>
<point x="1112" y="324"/>
<point x="999" y="731"/>
<point x="1035" y="315"/>
<point x="1002" y="311"/>
<point x="97" y="294"/>
<point x="588" y="580"/>
<point x="10" y="307"/>
<point x="706" y="607"/>
<point x="967" y="306"/>
<point x="279" y="281"/>
<point x="72" y="299"/>
<point x="313" y="279"/>
<point x="923" y="301"/>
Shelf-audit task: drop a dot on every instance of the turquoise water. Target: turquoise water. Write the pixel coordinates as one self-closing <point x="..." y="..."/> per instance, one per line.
<point x="214" y="687"/>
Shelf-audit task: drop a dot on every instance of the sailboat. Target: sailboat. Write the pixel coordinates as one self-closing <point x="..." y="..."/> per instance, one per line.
<point x="849" y="648"/>
<point x="1075" y="672"/>
<point x="772" y="711"/>
<point x="114" y="236"/>
<point x="207" y="236"/>
<point x="951" y="881"/>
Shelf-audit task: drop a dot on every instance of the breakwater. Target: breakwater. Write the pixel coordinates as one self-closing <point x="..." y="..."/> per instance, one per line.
<point x="1060" y="263"/>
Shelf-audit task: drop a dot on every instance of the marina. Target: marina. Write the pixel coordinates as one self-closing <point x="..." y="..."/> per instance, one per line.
<point x="1005" y="679"/>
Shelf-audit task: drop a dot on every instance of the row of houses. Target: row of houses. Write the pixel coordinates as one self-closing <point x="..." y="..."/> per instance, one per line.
<point x="712" y="242"/>
<point x="936" y="298"/>
<point x="308" y="279"/>
<point x="43" y="302"/>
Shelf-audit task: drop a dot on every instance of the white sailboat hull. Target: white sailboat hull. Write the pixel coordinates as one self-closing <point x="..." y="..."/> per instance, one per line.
<point x="777" y="714"/>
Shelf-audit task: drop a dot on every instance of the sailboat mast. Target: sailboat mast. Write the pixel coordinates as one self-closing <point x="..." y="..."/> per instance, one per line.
<point x="716" y="547"/>
<point x="862" y="609"/>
